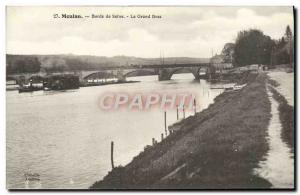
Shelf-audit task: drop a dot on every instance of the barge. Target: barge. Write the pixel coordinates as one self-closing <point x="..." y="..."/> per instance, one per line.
<point x="52" y="82"/>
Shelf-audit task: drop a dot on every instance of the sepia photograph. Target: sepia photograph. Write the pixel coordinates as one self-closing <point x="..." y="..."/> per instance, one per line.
<point x="150" y="97"/>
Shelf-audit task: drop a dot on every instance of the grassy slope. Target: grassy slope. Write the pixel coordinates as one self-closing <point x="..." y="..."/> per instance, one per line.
<point x="217" y="148"/>
<point x="87" y="62"/>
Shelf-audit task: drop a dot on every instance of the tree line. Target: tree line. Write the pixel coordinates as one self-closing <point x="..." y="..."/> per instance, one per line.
<point x="51" y="63"/>
<point x="254" y="47"/>
<point x="73" y="63"/>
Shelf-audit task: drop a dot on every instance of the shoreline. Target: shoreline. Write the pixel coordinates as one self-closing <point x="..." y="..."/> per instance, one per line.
<point x="82" y="85"/>
<point x="108" y="83"/>
<point x="207" y="150"/>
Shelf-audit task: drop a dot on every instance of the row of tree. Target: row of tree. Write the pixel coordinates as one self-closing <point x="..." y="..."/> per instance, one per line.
<point x="58" y="63"/>
<point x="23" y="65"/>
<point x="254" y="47"/>
<point x="63" y="63"/>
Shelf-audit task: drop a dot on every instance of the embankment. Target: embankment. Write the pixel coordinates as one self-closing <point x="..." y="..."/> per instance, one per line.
<point x="215" y="149"/>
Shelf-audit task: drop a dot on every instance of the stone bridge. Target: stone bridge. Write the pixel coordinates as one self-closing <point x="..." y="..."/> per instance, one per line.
<point x="120" y="73"/>
<point x="164" y="72"/>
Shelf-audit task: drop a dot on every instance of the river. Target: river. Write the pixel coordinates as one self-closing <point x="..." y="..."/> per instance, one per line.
<point x="65" y="137"/>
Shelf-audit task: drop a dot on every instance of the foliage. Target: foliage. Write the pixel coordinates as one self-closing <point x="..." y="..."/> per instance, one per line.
<point x="73" y="63"/>
<point x="24" y="65"/>
<point x="228" y="52"/>
<point x="252" y="47"/>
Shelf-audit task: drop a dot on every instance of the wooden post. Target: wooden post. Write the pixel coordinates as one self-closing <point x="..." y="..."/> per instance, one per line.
<point x="183" y="111"/>
<point x="162" y="136"/>
<point x="195" y="105"/>
<point x="177" y="111"/>
<point x="166" y="123"/>
<point x="153" y="141"/>
<point x="112" y="155"/>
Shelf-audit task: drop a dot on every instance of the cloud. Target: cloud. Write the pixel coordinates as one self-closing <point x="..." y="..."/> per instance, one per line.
<point x="182" y="31"/>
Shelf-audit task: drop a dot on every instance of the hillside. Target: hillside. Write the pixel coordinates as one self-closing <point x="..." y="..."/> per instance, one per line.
<point x="35" y="63"/>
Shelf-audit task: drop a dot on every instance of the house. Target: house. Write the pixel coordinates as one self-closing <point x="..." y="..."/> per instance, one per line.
<point x="217" y="59"/>
<point x="218" y="62"/>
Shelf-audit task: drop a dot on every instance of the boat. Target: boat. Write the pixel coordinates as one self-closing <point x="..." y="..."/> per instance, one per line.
<point x="31" y="86"/>
<point x="61" y="82"/>
<point x="235" y="87"/>
<point x="238" y="87"/>
<point x="26" y="88"/>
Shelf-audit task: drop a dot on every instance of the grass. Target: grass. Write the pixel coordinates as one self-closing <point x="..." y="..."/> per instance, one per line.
<point x="215" y="149"/>
<point x="286" y="116"/>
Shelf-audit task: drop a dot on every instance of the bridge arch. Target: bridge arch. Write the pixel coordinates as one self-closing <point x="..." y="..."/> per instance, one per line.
<point x="166" y="74"/>
<point x="100" y="75"/>
<point x="140" y="72"/>
<point x="183" y="70"/>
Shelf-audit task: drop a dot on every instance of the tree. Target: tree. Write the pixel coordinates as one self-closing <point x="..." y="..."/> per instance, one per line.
<point x="19" y="66"/>
<point x="33" y="65"/>
<point x="227" y="52"/>
<point x="284" y="49"/>
<point x="288" y="33"/>
<point x="252" y="47"/>
<point x="23" y="64"/>
<point x="290" y="43"/>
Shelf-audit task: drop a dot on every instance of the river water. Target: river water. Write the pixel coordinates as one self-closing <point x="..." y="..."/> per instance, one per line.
<point x="65" y="137"/>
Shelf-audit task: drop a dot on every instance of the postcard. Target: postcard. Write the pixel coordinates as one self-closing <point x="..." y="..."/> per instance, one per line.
<point x="150" y="97"/>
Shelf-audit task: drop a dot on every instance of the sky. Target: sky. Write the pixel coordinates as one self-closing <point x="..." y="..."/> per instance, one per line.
<point x="180" y="32"/>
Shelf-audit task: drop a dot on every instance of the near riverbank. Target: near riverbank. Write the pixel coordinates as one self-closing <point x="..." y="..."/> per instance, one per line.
<point x="216" y="149"/>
